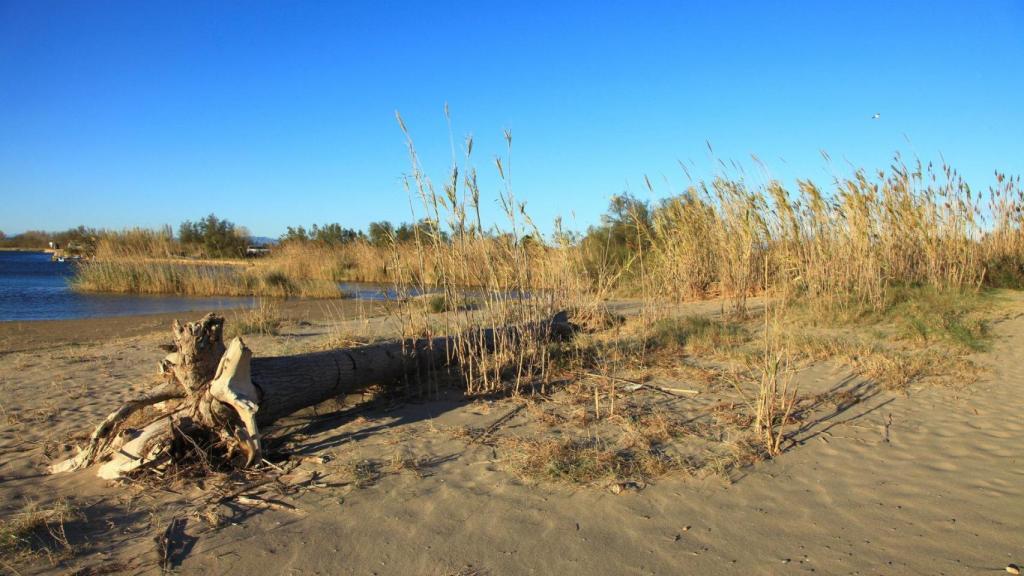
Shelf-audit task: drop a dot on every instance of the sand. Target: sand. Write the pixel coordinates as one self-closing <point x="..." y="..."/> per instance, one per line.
<point x="930" y="482"/>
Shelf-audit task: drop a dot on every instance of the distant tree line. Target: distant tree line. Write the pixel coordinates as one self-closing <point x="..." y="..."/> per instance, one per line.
<point x="625" y="230"/>
<point x="326" y="234"/>
<point x="79" y="239"/>
<point x="210" y="236"/>
<point x="382" y="233"/>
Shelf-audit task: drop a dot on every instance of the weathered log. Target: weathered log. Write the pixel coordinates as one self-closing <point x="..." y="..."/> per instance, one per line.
<point x="287" y="384"/>
<point x="229" y="394"/>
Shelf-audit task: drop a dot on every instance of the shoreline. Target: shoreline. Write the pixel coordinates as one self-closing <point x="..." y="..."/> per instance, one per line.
<point x="27" y="335"/>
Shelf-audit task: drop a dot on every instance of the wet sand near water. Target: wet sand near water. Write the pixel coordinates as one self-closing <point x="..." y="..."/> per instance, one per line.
<point x="21" y="336"/>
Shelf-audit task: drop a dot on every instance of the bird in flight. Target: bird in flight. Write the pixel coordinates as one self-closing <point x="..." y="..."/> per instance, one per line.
<point x="876" y="116"/>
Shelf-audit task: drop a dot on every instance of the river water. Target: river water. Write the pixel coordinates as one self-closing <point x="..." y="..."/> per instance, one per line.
<point x="34" y="288"/>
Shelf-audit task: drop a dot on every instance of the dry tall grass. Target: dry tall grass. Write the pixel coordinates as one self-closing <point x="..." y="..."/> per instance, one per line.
<point x="314" y="270"/>
<point x="517" y="280"/>
<point x="849" y="249"/>
<point x="844" y="250"/>
<point x="143" y="262"/>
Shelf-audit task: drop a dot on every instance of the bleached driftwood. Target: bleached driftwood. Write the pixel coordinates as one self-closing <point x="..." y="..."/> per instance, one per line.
<point x="223" y="395"/>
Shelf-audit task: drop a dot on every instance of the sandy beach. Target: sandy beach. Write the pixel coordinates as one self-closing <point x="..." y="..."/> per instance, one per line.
<point x="924" y="482"/>
<point x="469" y="289"/>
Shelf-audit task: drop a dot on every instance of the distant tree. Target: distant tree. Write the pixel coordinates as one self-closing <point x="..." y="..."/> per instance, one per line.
<point x="334" y="234"/>
<point x="188" y="233"/>
<point x="424" y="230"/>
<point x="532" y="240"/>
<point x="625" y="229"/>
<point x="297" y="234"/>
<point x="381" y="233"/>
<point x="218" y="238"/>
<point x="80" y="240"/>
<point x="29" y="239"/>
<point x="326" y="234"/>
<point x="405" y="233"/>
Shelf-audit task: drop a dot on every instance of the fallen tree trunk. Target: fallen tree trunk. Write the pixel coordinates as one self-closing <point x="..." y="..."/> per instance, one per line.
<point x="222" y="392"/>
<point x="286" y="384"/>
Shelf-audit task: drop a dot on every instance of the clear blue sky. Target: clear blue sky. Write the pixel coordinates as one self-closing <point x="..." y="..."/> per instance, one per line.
<point x="270" y="114"/>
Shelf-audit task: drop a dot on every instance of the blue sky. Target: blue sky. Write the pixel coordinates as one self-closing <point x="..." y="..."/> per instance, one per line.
<point x="270" y="114"/>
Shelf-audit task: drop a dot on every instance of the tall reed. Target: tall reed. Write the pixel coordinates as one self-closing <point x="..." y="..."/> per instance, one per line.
<point x="846" y="249"/>
<point x="517" y="280"/>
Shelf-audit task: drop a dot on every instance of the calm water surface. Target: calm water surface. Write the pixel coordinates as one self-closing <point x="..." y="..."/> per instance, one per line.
<point x="371" y="291"/>
<point x="34" y="288"/>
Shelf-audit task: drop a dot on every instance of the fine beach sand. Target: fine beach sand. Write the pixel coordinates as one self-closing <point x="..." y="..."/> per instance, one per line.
<point x="930" y="482"/>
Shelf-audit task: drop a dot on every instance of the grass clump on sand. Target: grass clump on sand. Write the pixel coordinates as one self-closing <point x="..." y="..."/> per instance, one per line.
<point x="440" y="303"/>
<point x="581" y="461"/>
<point x="924" y="314"/>
<point x="264" y="318"/>
<point x="918" y="334"/>
<point x="842" y="250"/>
<point x="697" y="333"/>
<point x="954" y="316"/>
<point x="897" y="369"/>
<point x="37" y="531"/>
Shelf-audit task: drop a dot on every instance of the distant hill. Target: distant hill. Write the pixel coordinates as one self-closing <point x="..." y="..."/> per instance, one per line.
<point x="262" y="240"/>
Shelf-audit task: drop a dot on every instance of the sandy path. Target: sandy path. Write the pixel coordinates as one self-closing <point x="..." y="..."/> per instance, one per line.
<point x="945" y="494"/>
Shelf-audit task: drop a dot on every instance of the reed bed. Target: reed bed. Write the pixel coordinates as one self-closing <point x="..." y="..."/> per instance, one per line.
<point x="519" y="282"/>
<point x="313" y="270"/>
<point x="866" y="246"/>
<point x="853" y="248"/>
<point x="850" y="248"/>
<point x="133" y="270"/>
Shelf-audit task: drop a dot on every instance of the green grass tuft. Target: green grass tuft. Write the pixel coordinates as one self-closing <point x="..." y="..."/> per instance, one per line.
<point x="699" y="333"/>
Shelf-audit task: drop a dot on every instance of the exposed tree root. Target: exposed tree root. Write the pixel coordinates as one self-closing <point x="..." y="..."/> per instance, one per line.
<point x="105" y="434"/>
